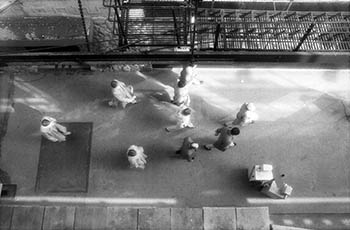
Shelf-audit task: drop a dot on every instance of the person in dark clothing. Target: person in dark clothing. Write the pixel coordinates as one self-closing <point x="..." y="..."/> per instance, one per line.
<point x="225" y="140"/>
<point x="188" y="149"/>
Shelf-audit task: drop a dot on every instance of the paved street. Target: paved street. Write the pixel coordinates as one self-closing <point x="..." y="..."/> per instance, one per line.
<point x="303" y="131"/>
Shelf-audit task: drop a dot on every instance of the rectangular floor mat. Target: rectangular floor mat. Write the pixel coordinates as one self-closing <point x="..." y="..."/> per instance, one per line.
<point x="64" y="166"/>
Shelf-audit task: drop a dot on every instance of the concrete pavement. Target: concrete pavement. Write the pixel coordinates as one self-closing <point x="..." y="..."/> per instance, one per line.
<point x="303" y="132"/>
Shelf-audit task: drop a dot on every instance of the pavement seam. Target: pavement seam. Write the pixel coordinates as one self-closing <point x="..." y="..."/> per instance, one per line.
<point x="10" y="103"/>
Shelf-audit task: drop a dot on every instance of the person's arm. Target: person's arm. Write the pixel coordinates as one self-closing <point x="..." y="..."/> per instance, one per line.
<point x="61" y="128"/>
<point x="49" y="137"/>
<point x="218" y="131"/>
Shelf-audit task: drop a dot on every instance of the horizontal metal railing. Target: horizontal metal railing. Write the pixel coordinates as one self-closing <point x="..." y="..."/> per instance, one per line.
<point x="231" y="29"/>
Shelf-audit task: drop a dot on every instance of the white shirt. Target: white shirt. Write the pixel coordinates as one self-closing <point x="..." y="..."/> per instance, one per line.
<point x="139" y="160"/>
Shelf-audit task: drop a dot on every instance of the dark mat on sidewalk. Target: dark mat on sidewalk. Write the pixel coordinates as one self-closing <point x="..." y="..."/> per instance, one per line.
<point x="64" y="166"/>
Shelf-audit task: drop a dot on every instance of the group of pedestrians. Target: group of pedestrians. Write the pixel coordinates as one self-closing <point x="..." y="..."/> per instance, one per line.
<point x="124" y="94"/>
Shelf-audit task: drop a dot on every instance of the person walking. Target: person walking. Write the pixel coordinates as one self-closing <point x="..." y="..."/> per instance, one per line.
<point x="181" y="94"/>
<point x="188" y="149"/>
<point x="122" y="94"/>
<point x="183" y="120"/>
<point x="225" y="139"/>
<point x="188" y="74"/>
<point x="247" y="114"/>
<point x="52" y="130"/>
<point x="136" y="157"/>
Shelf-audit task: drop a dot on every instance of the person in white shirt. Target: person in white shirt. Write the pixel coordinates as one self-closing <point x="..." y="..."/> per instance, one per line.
<point x="122" y="94"/>
<point x="246" y="115"/>
<point x="188" y="75"/>
<point x="52" y="130"/>
<point x="183" y="120"/>
<point x="181" y="96"/>
<point x="136" y="157"/>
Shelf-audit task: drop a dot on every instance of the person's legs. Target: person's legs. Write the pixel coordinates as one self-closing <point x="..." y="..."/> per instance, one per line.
<point x="171" y="128"/>
<point x="113" y="102"/>
<point x="60" y="137"/>
<point x="133" y="100"/>
<point x="123" y="104"/>
<point x="189" y="125"/>
<point x="141" y="163"/>
<point x="131" y="94"/>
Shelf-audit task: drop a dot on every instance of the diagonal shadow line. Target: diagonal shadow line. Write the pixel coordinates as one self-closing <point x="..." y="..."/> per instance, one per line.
<point x="10" y="103"/>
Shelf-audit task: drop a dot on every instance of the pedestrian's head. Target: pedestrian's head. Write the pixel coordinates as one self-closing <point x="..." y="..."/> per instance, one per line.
<point x="181" y="84"/>
<point x="251" y="107"/>
<point x="45" y="122"/>
<point x="114" y="83"/>
<point x="131" y="153"/>
<point x="194" y="145"/>
<point x="235" y="131"/>
<point x="186" y="111"/>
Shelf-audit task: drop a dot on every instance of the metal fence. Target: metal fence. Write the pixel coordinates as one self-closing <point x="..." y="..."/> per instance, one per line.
<point x="167" y="24"/>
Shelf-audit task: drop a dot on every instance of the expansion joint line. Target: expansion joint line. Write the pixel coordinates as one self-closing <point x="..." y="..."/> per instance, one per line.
<point x="9" y="104"/>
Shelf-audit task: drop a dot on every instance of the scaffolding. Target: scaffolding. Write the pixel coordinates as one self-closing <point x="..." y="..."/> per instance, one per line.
<point x="174" y="24"/>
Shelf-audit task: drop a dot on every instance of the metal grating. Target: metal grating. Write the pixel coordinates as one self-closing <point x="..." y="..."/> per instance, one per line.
<point x="271" y="30"/>
<point x="170" y="25"/>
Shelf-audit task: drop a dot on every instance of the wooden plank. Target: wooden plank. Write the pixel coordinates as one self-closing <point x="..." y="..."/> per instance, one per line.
<point x="57" y="218"/>
<point x="90" y="218"/>
<point x="27" y="218"/>
<point x="219" y="218"/>
<point x="5" y="217"/>
<point x="154" y="218"/>
<point x="253" y="218"/>
<point x="186" y="219"/>
<point x="121" y="218"/>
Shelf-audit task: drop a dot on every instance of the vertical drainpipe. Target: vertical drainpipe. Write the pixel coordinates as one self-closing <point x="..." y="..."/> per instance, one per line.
<point x="84" y="25"/>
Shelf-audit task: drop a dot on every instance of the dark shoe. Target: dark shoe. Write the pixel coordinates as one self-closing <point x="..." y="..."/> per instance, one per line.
<point x="166" y="129"/>
<point x="207" y="147"/>
<point x="178" y="152"/>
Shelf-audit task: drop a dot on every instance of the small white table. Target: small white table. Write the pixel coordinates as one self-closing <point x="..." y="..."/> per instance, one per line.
<point x="261" y="173"/>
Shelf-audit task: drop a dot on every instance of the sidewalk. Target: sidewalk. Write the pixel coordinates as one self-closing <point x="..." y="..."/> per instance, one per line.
<point x="302" y="132"/>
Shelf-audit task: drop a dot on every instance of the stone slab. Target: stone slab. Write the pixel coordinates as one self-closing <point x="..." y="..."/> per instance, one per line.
<point x="219" y="218"/>
<point x="5" y="217"/>
<point x="186" y="219"/>
<point x="59" y="218"/>
<point x="121" y="218"/>
<point x="253" y="218"/>
<point x="154" y="219"/>
<point x="90" y="218"/>
<point x="282" y="227"/>
<point x="27" y="218"/>
<point x="64" y="166"/>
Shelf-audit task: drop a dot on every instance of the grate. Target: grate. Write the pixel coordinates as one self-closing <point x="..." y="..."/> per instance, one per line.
<point x="229" y="29"/>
